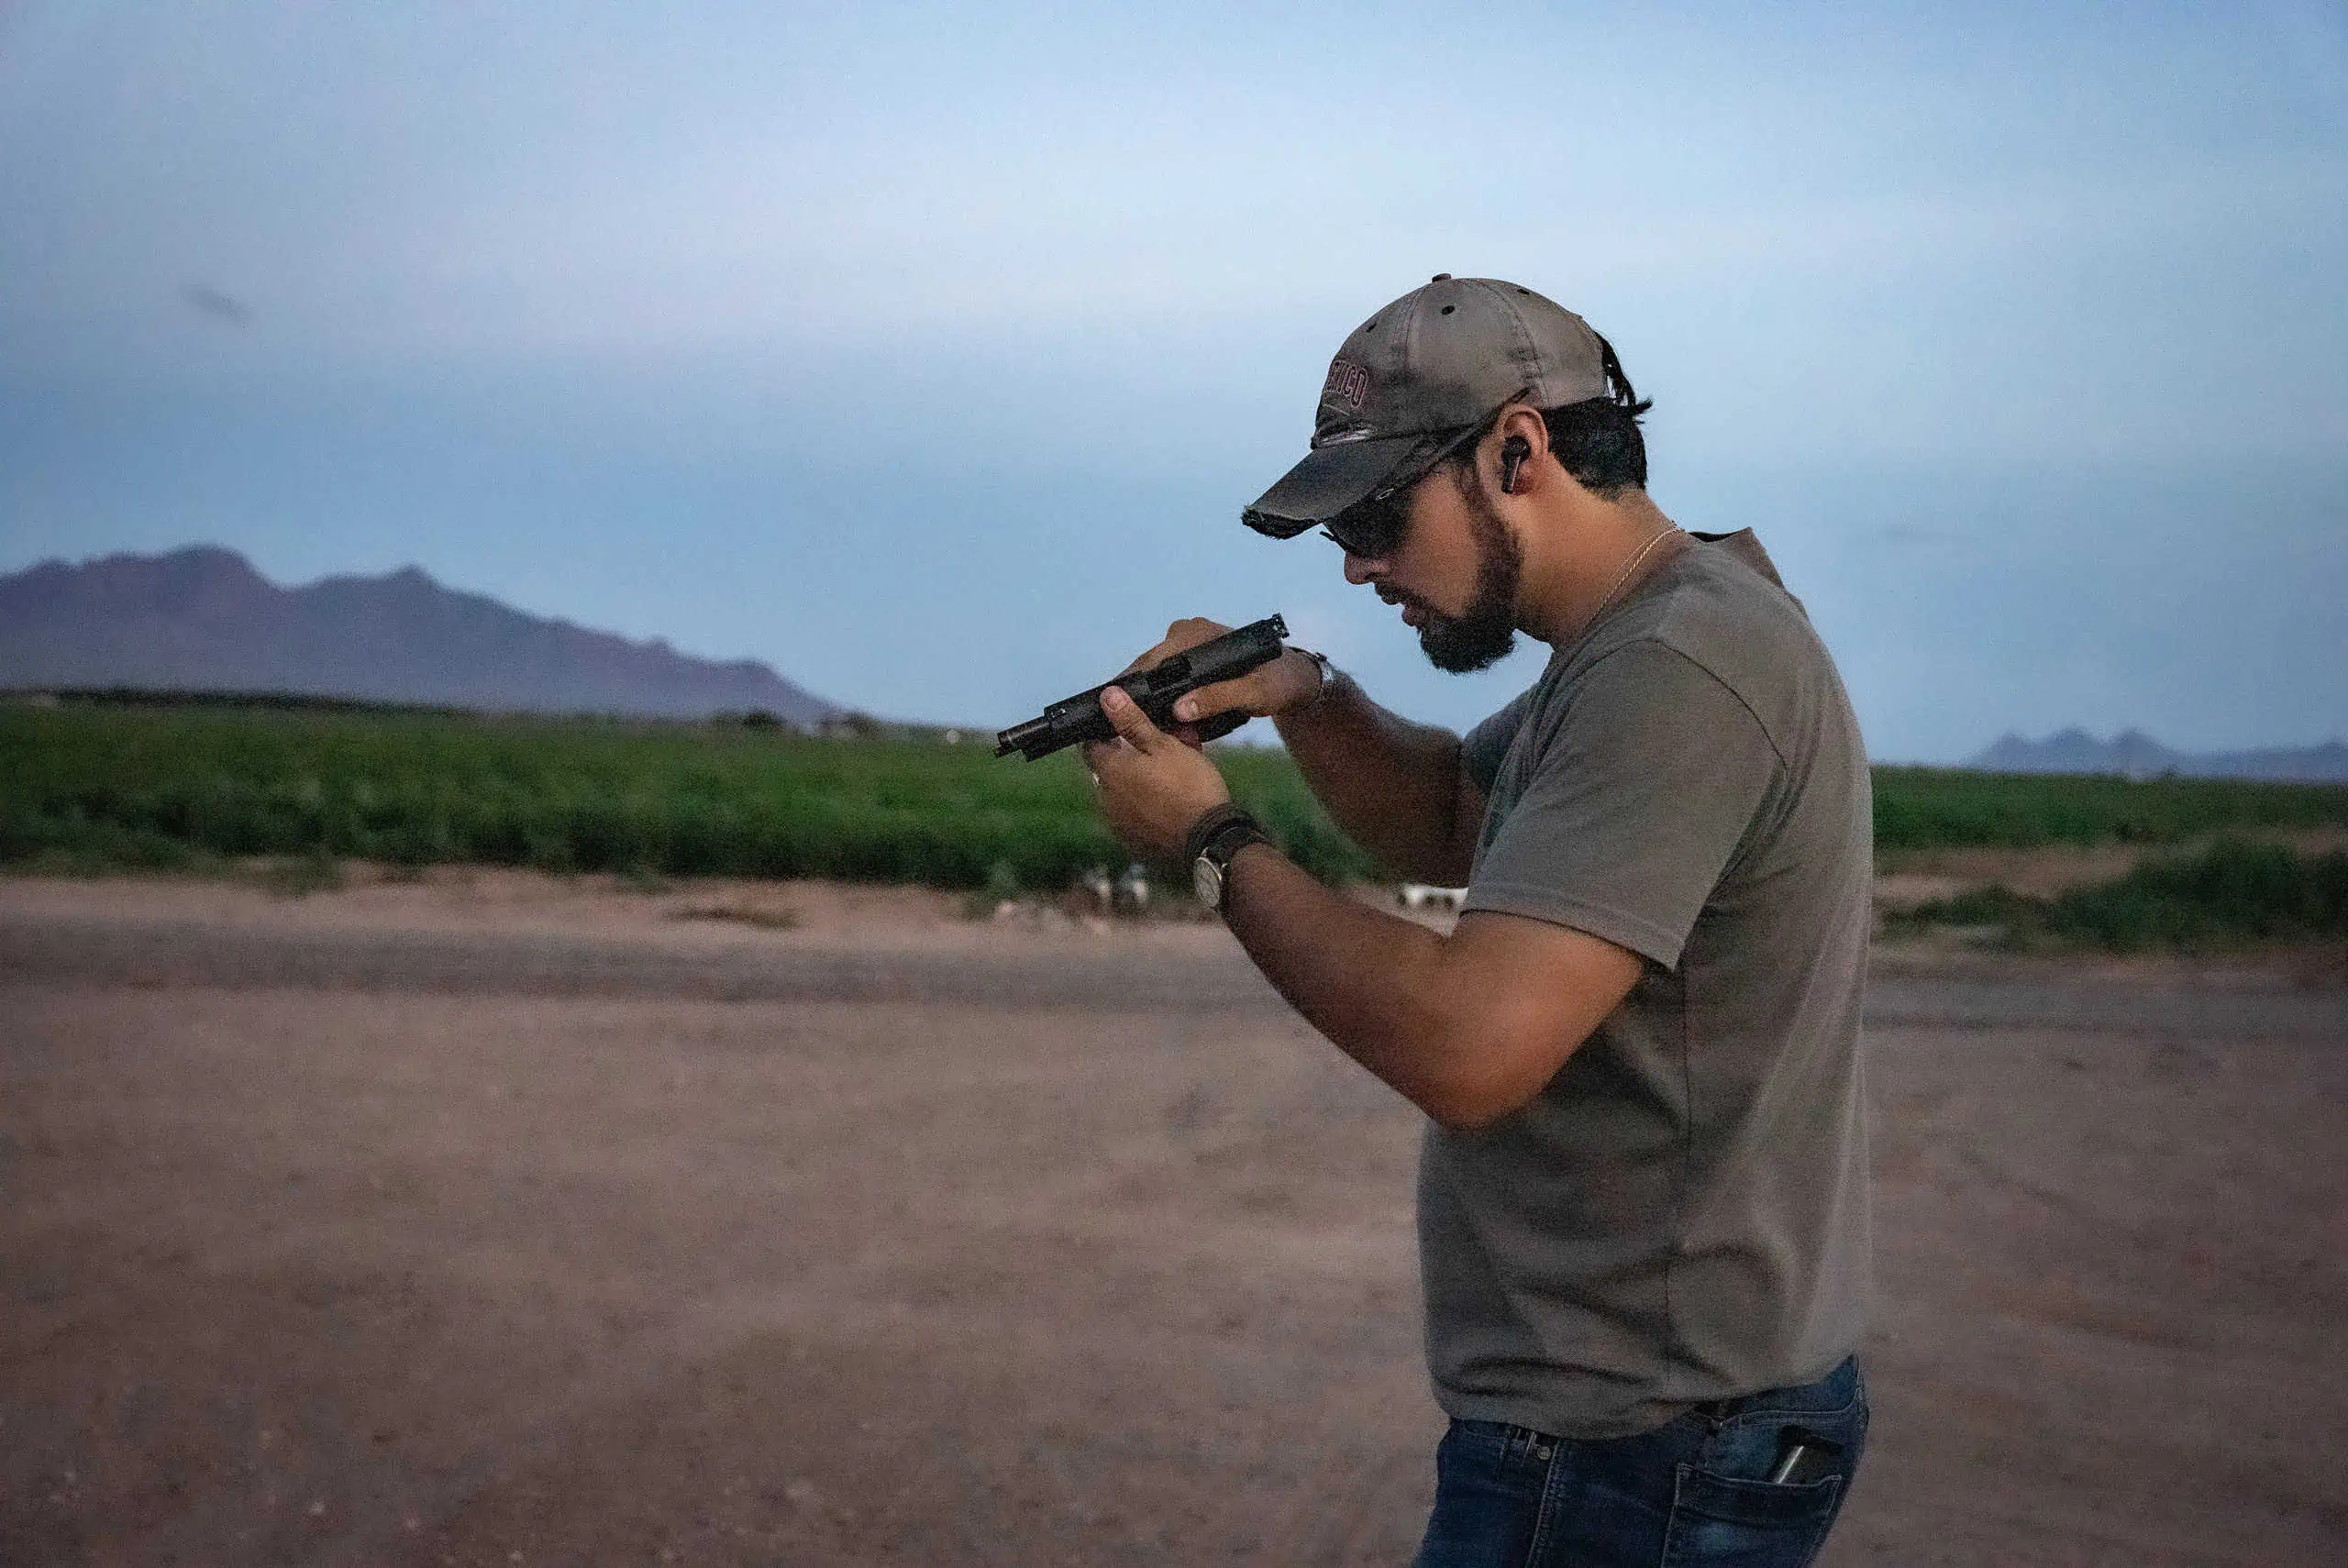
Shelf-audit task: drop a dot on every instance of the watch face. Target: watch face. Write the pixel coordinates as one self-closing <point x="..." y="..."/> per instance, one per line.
<point x="1206" y="881"/>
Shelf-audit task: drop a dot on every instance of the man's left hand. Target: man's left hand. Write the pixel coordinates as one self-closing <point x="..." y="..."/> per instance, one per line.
<point x="1154" y="788"/>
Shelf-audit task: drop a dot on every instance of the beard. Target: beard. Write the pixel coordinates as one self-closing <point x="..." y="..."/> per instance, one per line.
<point x="1485" y="633"/>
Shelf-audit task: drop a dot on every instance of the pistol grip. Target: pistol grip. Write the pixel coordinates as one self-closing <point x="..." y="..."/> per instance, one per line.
<point x="1220" y="725"/>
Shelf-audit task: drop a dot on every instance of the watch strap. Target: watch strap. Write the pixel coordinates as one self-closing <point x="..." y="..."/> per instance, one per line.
<point x="1231" y="838"/>
<point x="1214" y="822"/>
<point x="1211" y="868"/>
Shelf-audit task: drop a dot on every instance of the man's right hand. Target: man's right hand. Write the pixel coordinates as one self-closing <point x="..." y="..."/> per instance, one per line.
<point x="1266" y="691"/>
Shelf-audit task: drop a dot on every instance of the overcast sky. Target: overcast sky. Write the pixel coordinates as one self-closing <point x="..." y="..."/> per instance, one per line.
<point x="929" y="354"/>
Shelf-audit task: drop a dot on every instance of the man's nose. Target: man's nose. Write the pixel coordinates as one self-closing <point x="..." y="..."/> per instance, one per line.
<point x="1360" y="569"/>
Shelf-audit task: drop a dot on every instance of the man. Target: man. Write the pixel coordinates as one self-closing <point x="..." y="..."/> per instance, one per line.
<point x="1643" y="1209"/>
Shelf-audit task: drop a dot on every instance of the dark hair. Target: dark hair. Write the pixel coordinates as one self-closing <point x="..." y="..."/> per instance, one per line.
<point x="1598" y="443"/>
<point x="1598" y="440"/>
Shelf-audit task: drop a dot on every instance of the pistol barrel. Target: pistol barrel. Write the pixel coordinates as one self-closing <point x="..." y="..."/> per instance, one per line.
<point x="1019" y="737"/>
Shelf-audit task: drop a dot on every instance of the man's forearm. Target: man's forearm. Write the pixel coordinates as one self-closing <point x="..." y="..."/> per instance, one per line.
<point x="1361" y="978"/>
<point x="1394" y="786"/>
<point x="1467" y="1027"/>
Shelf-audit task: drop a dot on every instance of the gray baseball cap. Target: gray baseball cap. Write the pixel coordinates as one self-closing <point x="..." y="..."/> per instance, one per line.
<point x="1411" y="381"/>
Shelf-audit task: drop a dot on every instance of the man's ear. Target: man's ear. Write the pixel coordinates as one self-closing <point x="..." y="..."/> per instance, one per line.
<point x="1524" y="440"/>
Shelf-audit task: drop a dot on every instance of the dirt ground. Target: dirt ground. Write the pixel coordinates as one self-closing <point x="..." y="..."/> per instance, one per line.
<point x="500" y="1220"/>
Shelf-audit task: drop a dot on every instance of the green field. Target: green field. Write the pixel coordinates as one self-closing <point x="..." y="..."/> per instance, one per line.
<point x="1947" y="808"/>
<point x="89" y="786"/>
<point x="92" y="785"/>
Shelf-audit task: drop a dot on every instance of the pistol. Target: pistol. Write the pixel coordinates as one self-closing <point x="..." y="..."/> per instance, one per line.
<point x="1075" y="720"/>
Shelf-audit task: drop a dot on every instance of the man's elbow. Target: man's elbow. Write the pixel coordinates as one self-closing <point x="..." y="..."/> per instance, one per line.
<point x="1459" y="1112"/>
<point x="1490" y="1081"/>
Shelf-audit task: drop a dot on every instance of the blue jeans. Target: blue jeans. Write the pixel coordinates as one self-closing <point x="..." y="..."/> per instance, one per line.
<point x="1698" y="1489"/>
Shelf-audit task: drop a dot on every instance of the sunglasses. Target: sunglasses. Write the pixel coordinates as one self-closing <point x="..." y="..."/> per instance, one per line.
<point x="1374" y="526"/>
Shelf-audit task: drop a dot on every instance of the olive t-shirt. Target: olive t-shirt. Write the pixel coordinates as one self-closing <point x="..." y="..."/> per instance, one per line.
<point x="1681" y="1214"/>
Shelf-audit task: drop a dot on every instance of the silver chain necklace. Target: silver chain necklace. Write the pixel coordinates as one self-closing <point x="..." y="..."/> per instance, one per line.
<point x="1624" y="576"/>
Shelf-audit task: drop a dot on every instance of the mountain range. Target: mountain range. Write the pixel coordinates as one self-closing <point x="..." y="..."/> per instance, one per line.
<point x="201" y="619"/>
<point x="2136" y="754"/>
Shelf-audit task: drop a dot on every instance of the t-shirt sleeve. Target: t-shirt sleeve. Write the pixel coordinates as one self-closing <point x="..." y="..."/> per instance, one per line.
<point x="1641" y="796"/>
<point x="1485" y="747"/>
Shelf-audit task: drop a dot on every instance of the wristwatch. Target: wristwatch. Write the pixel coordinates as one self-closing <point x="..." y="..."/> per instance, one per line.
<point x="1215" y="838"/>
<point x="1328" y="674"/>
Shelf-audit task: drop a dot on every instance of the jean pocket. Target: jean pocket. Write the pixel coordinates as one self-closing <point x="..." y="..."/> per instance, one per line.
<point x="1726" y="1520"/>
